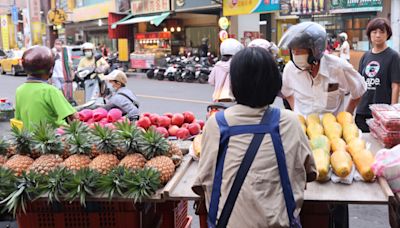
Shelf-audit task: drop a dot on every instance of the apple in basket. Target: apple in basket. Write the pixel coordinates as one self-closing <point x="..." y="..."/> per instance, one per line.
<point x="177" y="119"/>
<point x="183" y="133"/>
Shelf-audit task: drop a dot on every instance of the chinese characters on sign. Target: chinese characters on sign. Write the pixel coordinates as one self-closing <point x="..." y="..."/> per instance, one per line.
<point x="302" y="7"/>
<point x="348" y="6"/>
<point x="149" y="6"/>
<point x="35" y="10"/>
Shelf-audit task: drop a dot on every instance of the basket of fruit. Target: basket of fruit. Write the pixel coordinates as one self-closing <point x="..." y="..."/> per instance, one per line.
<point x="81" y="164"/>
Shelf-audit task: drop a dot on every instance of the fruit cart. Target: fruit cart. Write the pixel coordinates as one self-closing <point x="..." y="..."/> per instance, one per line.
<point x="316" y="194"/>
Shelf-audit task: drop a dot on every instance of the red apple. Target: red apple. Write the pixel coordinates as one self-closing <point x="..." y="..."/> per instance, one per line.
<point x="164" y="121"/>
<point x="185" y="125"/>
<point x="154" y="119"/>
<point x="189" y="117"/>
<point x="194" y="128"/>
<point x="177" y="119"/>
<point x="201" y="122"/>
<point x="172" y="130"/>
<point x="146" y="114"/>
<point x="182" y="133"/>
<point x="143" y="122"/>
<point x="163" y="131"/>
<point x="169" y="114"/>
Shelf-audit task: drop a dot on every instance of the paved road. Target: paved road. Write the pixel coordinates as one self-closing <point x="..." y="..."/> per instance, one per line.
<point x="164" y="96"/>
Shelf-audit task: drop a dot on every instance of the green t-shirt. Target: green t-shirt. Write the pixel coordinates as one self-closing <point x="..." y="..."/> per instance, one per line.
<point x="40" y="101"/>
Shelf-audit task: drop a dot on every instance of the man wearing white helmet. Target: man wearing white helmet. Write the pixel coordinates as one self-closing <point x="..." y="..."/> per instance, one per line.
<point x="219" y="76"/>
<point x="89" y="61"/>
<point x="263" y="43"/>
<point x="344" y="47"/>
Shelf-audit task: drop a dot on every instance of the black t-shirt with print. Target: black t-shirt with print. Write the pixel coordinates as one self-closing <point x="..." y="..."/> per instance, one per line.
<point x="379" y="71"/>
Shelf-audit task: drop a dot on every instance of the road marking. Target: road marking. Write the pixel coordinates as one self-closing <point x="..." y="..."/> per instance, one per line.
<point x="173" y="99"/>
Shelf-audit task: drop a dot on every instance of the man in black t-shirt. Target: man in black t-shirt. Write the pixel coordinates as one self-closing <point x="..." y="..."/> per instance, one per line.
<point x="381" y="69"/>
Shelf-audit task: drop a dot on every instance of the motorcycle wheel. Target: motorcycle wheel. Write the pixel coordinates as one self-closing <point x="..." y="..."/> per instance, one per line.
<point x="150" y="74"/>
<point x="190" y="78"/>
<point x="203" y="78"/>
<point x="178" y="77"/>
<point x="171" y="77"/>
<point x="160" y="76"/>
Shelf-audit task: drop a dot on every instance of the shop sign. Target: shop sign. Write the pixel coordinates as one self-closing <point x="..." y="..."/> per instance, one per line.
<point x="302" y="7"/>
<point x="238" y="7"/>
<point x="4" y="32"/>
<point x="96" y="11"/>
<point x="348" y="6"/>
<point x="223" y="35"/>
<point x="153" y="35"/>
<point x="35" y="10"/>
<point x="14" y="15"/>
<point x="56" y="16"/>
<point x="193" y="4"/>
<point x="223" y="23"/>
<point x="149" y="6"/>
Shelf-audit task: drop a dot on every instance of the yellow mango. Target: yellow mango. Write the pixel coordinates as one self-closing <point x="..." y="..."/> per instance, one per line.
<point x="355" y="146"/>
<point x="301" y="119"/>
<point x="338" y="144"/>
<point x="322" y="162"/>
<point x="320" y="142"/>
<point x="345" y="118"/>
<point x="333" y="130"/>
<point x="328" y="118"/>
<point x="341" y="163"/>
<point x="314" y="129"/>
<point x="350" y="131"/>
<point x="313" y="118"/>
<point x="197" y="144"/>
<point x="363" y="159"/>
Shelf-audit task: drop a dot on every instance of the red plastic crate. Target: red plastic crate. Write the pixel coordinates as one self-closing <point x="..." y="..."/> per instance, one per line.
<point x="173" y="214"/>
<point x="40" y="214"/>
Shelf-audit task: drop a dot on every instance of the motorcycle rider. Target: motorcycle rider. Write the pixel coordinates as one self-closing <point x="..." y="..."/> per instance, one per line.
<point x="36" y="100"/>
<point x="314" y="82"/>
<point x="89" y="59"/>
<point x="344" y="47"/>
<point x="122" y="98"/>
<point x="219" y="76"/>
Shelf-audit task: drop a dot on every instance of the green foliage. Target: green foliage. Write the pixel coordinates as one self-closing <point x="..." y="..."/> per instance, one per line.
<point x="153" y="144"/>
<point x="7" y="182"/>
<point x="22" y="140"/>
<point x="114" y="182"/>
<point x="45" y="140"/>
<point x="4" y="145"/>
<point x="55" y="186"/>
<point x="129" y="134"/>
<point x="142" y="184"/>
<point x="82" y="185"/>
<point x="106" y="140"/>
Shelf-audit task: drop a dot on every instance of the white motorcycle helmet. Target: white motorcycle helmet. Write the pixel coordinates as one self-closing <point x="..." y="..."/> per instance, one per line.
<point x="265" y="44"/>
<point x="88" y="46"/>
<point x="343" y="35"/>
<point x="230" y="47"/>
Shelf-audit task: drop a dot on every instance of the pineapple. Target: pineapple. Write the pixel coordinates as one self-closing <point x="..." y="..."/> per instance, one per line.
<point x="3" y="151"/>
<point x="75" y="127"/>
<point x="82" y="184"/>
<point x="7" y="182"/>
<point x="164" y="165"/>
<point x="106" y="144"/>
<point x="133" y="161"/>
<point x="141" y="183"/>
<point x="49" y="145"/>
<point x="21" y="143"/>
<point x="175" y="153"/>
<point x="152" y="144"/>
<point x="80" y="147"/>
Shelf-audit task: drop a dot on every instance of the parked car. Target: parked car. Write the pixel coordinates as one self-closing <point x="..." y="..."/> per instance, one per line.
<point x="75" y="53"/>
<point x="11" y="63"/>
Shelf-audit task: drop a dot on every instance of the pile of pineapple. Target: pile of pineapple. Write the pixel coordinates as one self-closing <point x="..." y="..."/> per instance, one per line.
<point x="336" y="143"/>
<point x="124" y="162"/>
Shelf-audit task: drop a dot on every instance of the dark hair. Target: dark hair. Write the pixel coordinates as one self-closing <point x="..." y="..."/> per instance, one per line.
<point x="379" y="23"/>
<point x="226" y="58"/>
<point x="38" y="61"/>
<point x="255" y="78"/>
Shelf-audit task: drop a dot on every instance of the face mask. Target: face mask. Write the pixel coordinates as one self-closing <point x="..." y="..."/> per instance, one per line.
<point x="301" y="61"/>
<point x="88" y="54"/>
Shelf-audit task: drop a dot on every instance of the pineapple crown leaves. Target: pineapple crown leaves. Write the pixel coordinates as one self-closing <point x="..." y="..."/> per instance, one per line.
<point x="129" y="134"/>
<point x="55" y="183"/>
<point x="45" y="139"/>
<point x="114" y="182"/>
<point x="4" y="145"/>
<point x="142" y="184"/>
<point x="82" y="184"/>
<point x="80" y="143"/>
<point x="153" y="144"/>
<point x="106" y="140"/>
<point x="22" y="140"/>
<point x="74" y="128"/>
<point x="7" y="182"/>
<point x="29" y="187"/>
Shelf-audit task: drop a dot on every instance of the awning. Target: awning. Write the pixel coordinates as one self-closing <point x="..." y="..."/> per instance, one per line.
<point x="155" y="20"/>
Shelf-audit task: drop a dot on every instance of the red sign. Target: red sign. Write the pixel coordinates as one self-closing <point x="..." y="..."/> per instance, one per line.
<point x="149" y="6"/>
<point x="153" y="35"/>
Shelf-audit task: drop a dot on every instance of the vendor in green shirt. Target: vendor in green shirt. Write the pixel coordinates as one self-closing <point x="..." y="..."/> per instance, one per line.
<point x="36" y="100"/>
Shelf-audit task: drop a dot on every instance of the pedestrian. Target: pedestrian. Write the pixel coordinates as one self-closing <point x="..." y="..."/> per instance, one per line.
<point x="122" y="97"/>
<point x="283" y="164"/>
<point x="315" y="82"/>
<point x="58" y="76"/>
<point x="344" y="47"/>
<point x="219" y="76"/>
<point x="204" y="47"/>
<point x="36" y="100"/>
<point x="380" y="67"/>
